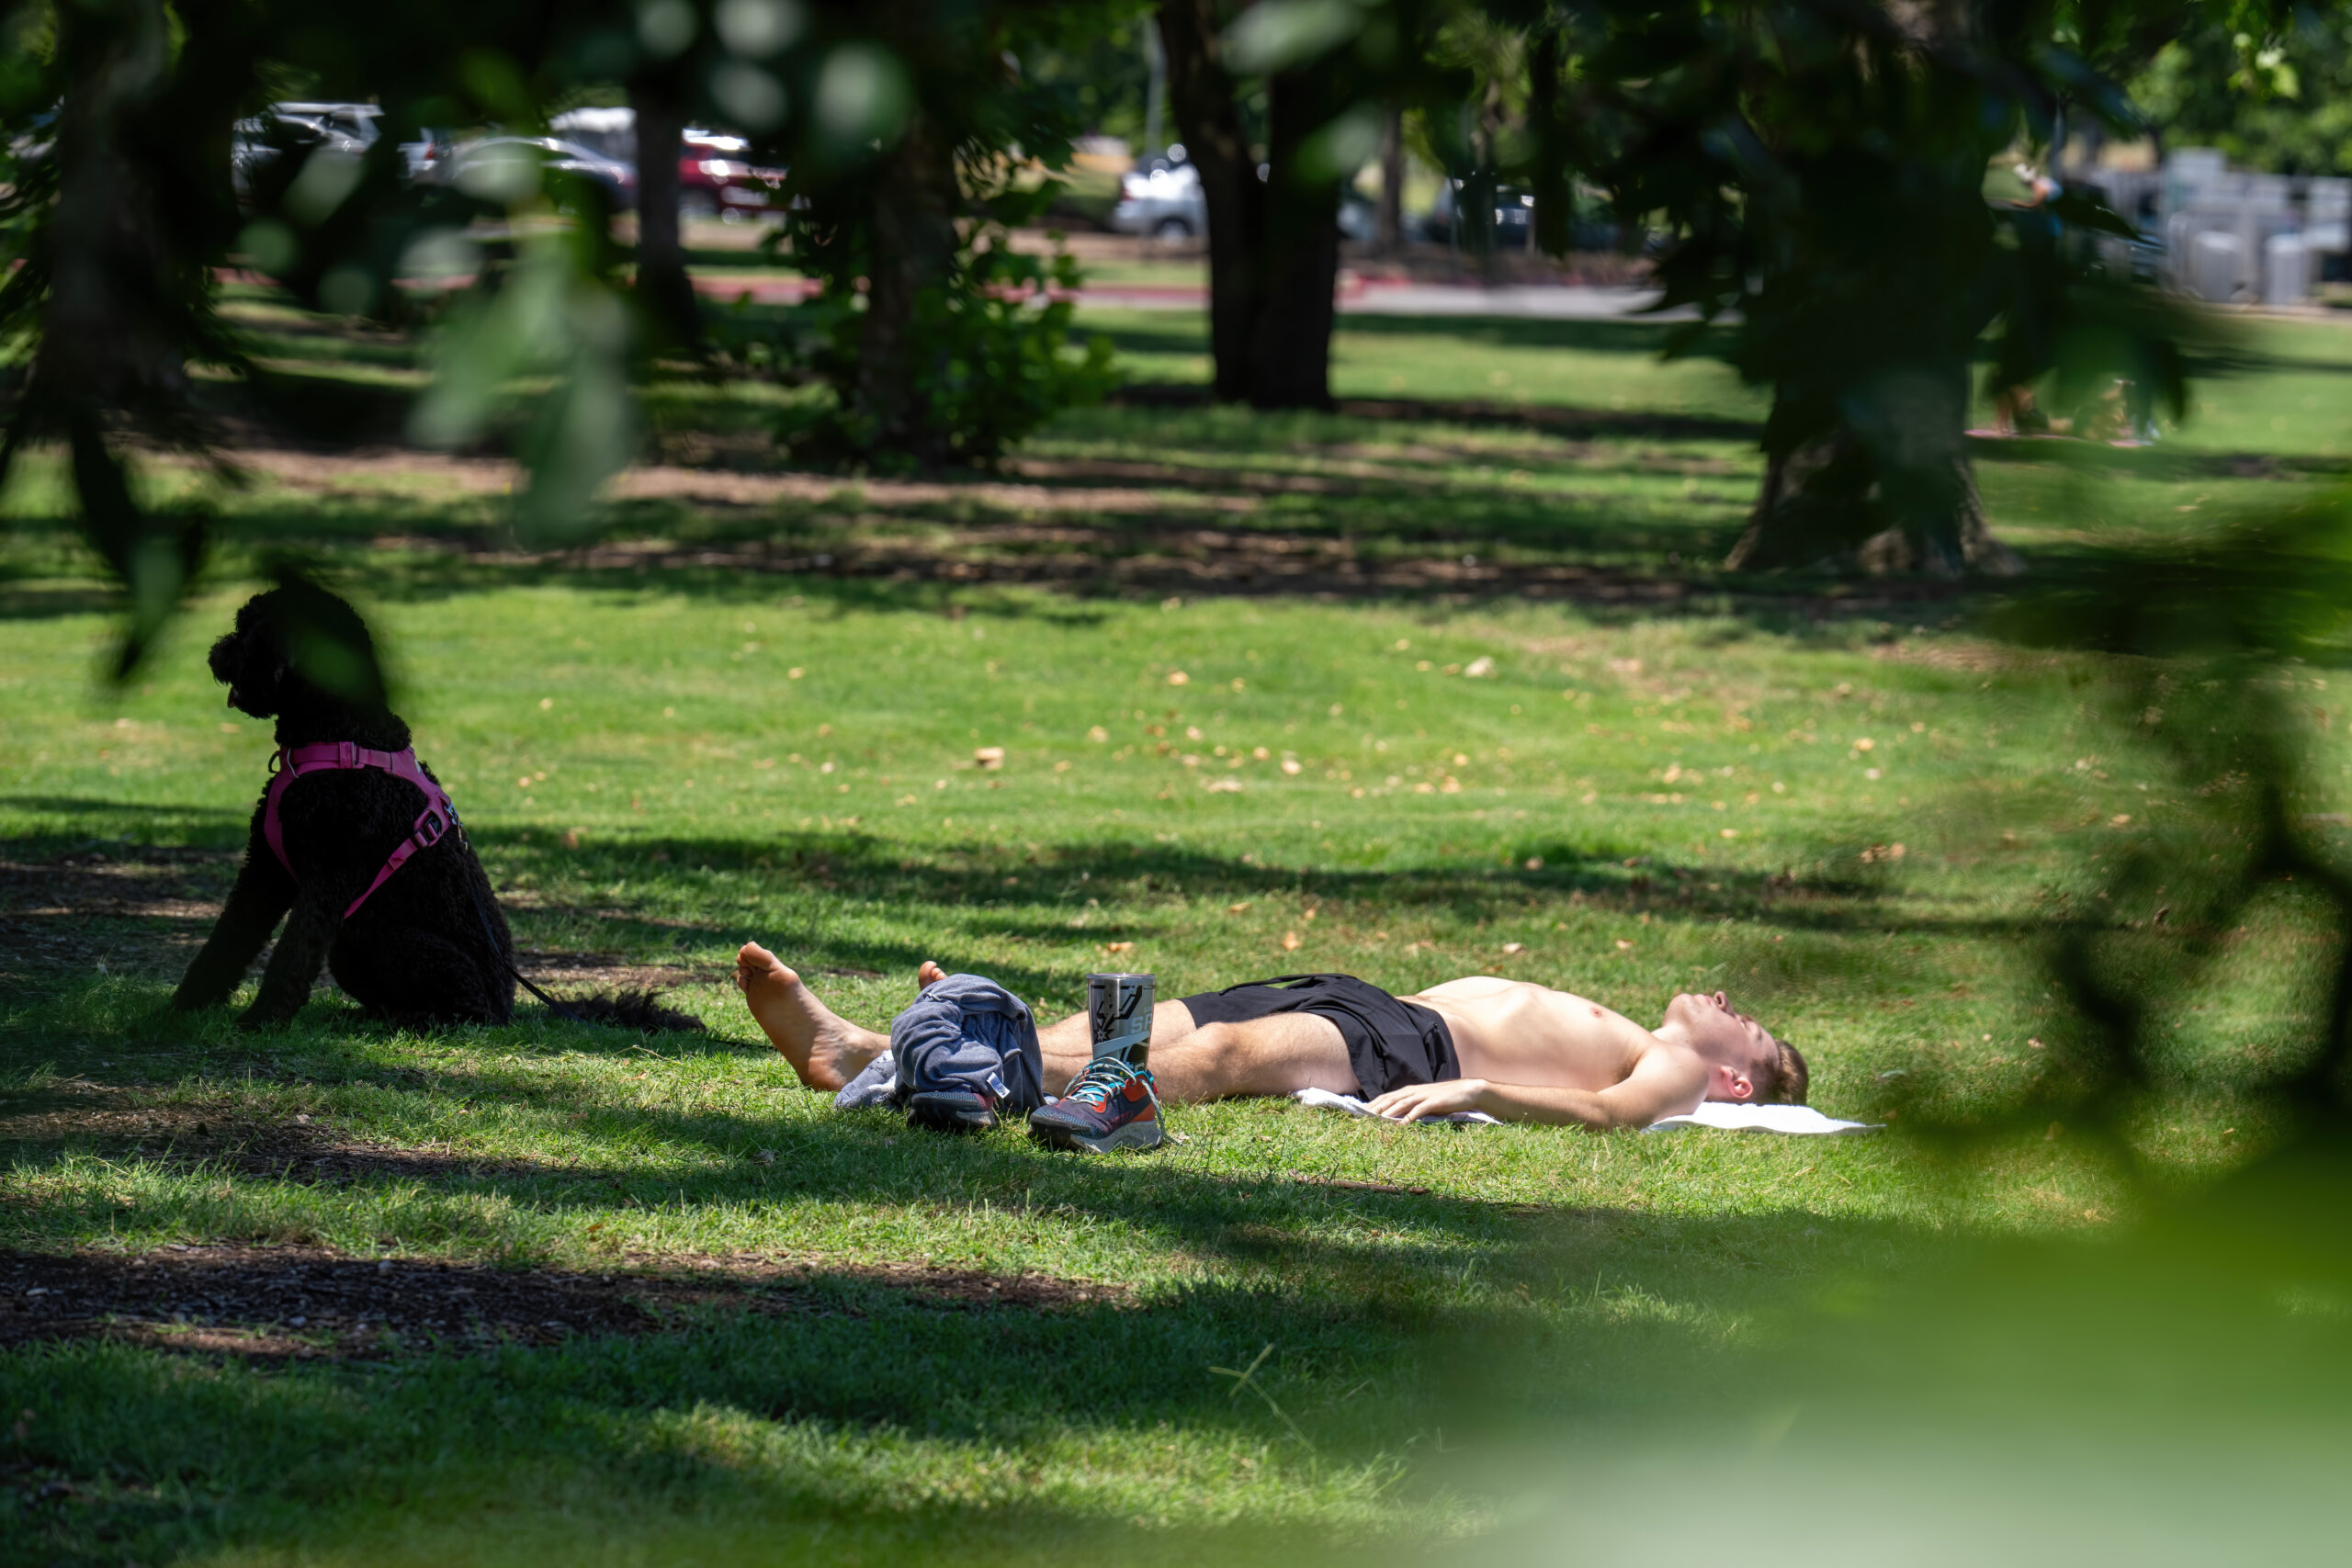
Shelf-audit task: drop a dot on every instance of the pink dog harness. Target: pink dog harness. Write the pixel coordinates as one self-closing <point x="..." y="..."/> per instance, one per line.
<point x="330" y="756"/>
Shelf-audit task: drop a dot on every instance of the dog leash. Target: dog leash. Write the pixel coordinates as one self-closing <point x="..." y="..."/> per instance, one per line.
<point x="490" y="931"/>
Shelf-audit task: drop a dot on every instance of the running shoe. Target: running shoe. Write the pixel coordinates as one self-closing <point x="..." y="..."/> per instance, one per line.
<point x="1109" y="1107"/>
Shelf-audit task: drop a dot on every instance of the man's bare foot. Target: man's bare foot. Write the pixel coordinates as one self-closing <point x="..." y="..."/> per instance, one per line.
<point x="928" y="975"/>
<point x="823" y="1047"/>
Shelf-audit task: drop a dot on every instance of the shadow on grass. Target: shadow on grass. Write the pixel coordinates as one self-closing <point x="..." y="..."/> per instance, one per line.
<point x="881" y="1420"/>
<point x="883" y="1424"/>
<point x="968" y="888"/>
<point x="842" y="567"/>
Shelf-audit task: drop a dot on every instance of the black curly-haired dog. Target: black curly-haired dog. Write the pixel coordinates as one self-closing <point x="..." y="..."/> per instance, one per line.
<point x="423" y="943"/>
<point x="428" y="946"/>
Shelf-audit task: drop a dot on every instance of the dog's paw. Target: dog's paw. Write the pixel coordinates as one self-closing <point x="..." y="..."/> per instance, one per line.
<point x="256" y="1019"/>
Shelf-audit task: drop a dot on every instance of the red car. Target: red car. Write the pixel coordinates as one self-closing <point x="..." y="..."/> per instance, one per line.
<point x="715" y="182"/>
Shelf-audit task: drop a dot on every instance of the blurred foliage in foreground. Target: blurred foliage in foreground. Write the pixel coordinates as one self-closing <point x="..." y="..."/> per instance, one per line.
<point x="902" y="126"/>
<point x="2203" y="649"/>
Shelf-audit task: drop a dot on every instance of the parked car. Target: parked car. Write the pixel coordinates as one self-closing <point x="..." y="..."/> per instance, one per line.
<point x="482" y="168"/>
<point x="715" y="181"/>
<point x="282" y="127"/>
<point x="359" y="124"/>
<point x="1163" y="200"/>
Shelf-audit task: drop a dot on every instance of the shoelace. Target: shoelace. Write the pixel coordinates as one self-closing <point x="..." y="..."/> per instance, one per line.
<point x="1103" y="1078"/>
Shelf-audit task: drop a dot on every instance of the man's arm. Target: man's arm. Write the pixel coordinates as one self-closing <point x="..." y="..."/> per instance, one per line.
<point x="1663" y="1083"/>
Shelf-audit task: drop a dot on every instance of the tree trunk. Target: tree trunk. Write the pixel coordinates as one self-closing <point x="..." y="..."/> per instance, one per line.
<point x="664" y="291"/>
<point x="1552" y="226"/>
<point x="1273" y="244"/>
<point x="915" y="203"/>
<point x="1388" y="233"/>
<point x="1290" y="349"/>
<point x="1888" y="489"/>
<point x="1200" y="91"/>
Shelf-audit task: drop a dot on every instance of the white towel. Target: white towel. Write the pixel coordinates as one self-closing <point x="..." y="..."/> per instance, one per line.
<point x="1733" y="1118"/>
<point x="1715" y="1113"/>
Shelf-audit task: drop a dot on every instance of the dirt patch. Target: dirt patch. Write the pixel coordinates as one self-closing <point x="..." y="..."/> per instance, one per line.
<point x="930" y="1283"/>
<point x="1136" y="561"/>
<point x="299" y="1302"/>
<point x="87" y="908"/>
<point x="113" y="1121"/>
<point x="303" y="1303"/>
<point x="407" y="473"/>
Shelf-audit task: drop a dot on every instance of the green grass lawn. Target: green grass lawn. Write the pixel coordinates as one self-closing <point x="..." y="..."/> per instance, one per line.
<point x="1505" y="717"/>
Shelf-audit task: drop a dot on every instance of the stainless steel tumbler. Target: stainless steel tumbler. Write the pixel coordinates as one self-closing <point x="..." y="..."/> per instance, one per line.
<point x="1118" y="1012"/>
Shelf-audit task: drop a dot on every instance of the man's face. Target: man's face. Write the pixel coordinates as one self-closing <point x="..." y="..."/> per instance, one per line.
<point x="1741" y="1053"/>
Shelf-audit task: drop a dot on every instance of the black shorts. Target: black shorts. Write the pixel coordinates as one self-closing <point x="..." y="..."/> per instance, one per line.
<point x="1390" y="1043"/>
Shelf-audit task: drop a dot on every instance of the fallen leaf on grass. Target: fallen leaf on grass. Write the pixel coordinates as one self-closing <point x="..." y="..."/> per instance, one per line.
<point x="1118" y="947"/>
<point x="986" y="757"/>
<point x="1290" y="942"/>
<point x="1514" y="947"/>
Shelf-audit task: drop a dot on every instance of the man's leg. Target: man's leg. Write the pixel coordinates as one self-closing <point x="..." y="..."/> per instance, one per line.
<point x="1280" y="1055"/>
<point x="1277" y="1055"/>
<point x="823" y="1047"/>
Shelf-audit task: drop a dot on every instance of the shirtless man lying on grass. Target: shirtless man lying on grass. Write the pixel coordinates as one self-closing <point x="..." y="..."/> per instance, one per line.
<point x="1516" y="1051"/>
